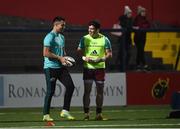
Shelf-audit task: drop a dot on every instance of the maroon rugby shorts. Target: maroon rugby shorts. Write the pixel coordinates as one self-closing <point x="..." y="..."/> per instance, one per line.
<point x="94" y="74"/>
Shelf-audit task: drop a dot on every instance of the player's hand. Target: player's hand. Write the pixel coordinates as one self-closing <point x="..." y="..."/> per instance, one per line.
<point x="64" y="61"/>
<point x="99" y="60"/>
<point x="67" y="63"/>
<point x="90" y="60"/>
<point x="87" y="59"/>
<point x="61" y="59"/>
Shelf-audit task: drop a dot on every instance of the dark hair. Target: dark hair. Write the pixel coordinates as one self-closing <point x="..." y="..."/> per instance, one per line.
<point x="58" y="18"/>
<point x="95" y="23"/>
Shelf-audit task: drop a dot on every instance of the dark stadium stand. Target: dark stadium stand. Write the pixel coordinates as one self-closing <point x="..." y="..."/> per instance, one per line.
<point x="21" y="47"/>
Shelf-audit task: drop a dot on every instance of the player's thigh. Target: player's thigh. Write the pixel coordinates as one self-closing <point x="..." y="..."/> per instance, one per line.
<point x="65" y="78"/>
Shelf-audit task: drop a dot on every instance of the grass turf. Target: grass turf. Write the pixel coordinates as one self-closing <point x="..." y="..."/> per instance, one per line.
<point x="118" y="117"/>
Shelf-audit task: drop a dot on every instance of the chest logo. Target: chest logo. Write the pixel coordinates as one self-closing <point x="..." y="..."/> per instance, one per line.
<point x="94" y="53"/>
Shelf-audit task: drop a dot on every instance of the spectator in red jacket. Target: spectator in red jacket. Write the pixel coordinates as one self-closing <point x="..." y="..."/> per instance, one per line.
<point x="140" y="22"/>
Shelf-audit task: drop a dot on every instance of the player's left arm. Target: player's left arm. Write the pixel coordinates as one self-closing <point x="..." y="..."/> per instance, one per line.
<point x="108" y="49"/>
<point x="80" y="50"/>
<point x="108" y="54"/>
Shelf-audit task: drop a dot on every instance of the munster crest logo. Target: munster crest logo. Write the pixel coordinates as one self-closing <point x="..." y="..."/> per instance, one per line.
<point x="160" y="88"/>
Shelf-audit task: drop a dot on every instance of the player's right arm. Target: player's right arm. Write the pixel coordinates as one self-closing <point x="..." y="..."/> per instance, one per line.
<point x="80" y="48"/>
<point x="80" y="51"/>
<point x="47" y="53"/>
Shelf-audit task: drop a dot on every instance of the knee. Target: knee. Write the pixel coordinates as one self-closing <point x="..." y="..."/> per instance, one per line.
<point x="87" y="91"/>
<point x="99" y="95"/>
<point x="100" y="90"/>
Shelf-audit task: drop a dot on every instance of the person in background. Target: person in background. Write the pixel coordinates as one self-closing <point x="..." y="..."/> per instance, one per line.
<point x="95" y="49"/>
<point x="140" y="22"/>
<point x="118" y="35"/>
<point x="54" y="52"/>
<point x="126" y="22"/>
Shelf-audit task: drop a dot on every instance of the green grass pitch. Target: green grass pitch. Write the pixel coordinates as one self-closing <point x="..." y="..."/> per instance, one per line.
<point x="118" y="117"/>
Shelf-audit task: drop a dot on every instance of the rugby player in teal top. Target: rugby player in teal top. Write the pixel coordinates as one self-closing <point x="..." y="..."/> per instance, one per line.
<point x="54" y="52"/>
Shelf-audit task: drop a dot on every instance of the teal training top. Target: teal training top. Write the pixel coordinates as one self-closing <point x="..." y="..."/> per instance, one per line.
<point x="55" y="42"/>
